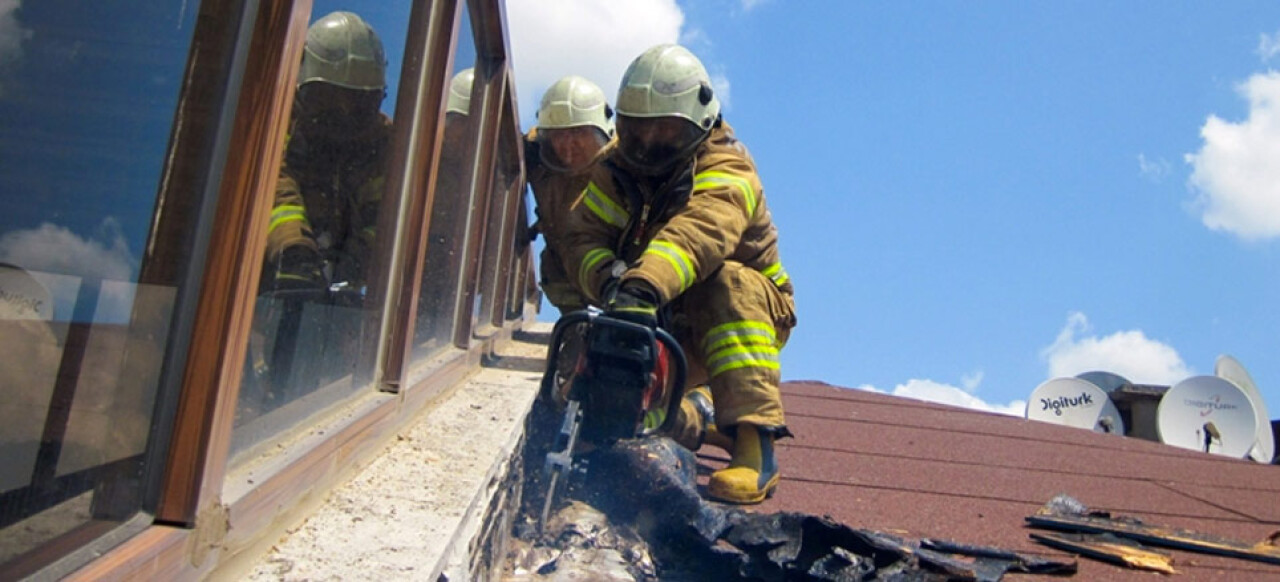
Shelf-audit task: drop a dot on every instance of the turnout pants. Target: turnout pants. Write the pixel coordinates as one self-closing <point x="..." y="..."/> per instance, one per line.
<point x="732" y="327"/>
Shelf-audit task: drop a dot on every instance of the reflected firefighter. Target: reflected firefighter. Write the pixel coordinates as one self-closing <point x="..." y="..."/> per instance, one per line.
<point x="321" y="234"/>
<point x="573" y="130"/>
<point x="320" y="238"/>
<point x="674" y="219"/>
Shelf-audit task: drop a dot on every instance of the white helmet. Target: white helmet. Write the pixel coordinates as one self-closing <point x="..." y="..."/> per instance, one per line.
<point x="460" y="92"/>
<point x="343" y="50"/>
<point x="666" y="109"/>
<point x="668" y="81"/>
<point x="575" y="102"/>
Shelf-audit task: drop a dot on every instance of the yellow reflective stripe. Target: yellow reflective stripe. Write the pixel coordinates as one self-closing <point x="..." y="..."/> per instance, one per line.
<point x="654" y="418"/>
<point x="741" y="337"/>
<point x="707" y="180"/>
<point x="604" y="207"/>
<point x="589" y="262"/>
<point x="286" y="213"/>
<point x="737" y="330"/>
<point x="637" y="310"/>
<point x="777" y="274"/>
<point x="677" y="257"/>
<point x="735" y="357"/>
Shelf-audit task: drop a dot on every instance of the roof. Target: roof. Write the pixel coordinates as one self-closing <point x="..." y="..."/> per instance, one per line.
<point x="917" y="469"/>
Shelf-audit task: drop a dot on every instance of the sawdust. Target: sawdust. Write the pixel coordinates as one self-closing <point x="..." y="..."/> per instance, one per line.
<point x="400" y="518"/>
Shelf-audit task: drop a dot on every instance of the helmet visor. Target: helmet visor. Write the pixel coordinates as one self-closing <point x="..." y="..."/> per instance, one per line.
<point x="655" y="145"/>
<point x="570" y="149"/>
<point x="324" y="108"/>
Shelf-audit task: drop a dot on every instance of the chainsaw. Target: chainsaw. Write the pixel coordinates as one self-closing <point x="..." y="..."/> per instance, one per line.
<point x="614" y="379"/>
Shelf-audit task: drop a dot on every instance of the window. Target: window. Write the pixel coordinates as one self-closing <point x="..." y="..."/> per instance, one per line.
<point x="506" y="218"/>
<point x="316" y="320"/>
<point x="88" y="275"/>
<point x="449" y="215"/>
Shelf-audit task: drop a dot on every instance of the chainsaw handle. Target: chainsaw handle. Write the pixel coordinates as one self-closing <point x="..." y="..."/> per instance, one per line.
<point x="660" y="335"/>
<point x="682" y="374"/>
<point x="566" y="321"/>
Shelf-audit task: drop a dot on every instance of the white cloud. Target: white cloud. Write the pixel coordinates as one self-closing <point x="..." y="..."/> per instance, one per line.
<point x="12" y="33"/>
<point x="1268" y="46"/>
<point x="1236" y="173"/>
<point x="595" y="39"/>
<point x="937" y="392"/>
<point x="720" y="84"/>
<point x="749" y="4"/>
<point x="58" y="258"/>
<point x="55" y="249"/>
<point x="1128" y="353"/>
<point x="1154" y="170"/>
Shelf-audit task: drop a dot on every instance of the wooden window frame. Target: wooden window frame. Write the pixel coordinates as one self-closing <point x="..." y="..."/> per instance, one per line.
<point x="419" y="184"/>
<point x="201" y="523"/>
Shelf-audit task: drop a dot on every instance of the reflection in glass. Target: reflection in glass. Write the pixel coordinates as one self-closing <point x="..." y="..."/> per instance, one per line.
<point x="88" y="94"/>
<point x="307" y="344"/>
<point x="433" y="329"/>
<point x="500" y="244"/>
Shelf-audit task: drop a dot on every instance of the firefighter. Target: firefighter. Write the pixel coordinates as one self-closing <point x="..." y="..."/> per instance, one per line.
<point x="322" y="225"/>
<point x="674" y="219"/>
<point x="572" y="131"/>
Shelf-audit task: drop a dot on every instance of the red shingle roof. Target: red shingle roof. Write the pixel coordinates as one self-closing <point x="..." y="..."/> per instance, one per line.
<point x="874" y="461"/>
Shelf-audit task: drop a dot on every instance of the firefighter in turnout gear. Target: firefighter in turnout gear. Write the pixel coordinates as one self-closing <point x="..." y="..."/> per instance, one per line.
<point x="322" y="225"/>
<point x="674" y="218"/>
<point x="574" y="127"/>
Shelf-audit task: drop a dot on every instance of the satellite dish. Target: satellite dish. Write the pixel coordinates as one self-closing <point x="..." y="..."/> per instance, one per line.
<point x="23" y="297"/>
<point x="1207" y="414"/>
<point x="1074" y="402"/>
<point x="1106" y="381"/>
<point x="1231" y="370"/>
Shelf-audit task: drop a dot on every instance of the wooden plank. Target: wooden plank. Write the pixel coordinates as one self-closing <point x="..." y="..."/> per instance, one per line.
<point x="1109" y="549"/>
<point x="158" y="553"/>
<point x="1182" y="539"/>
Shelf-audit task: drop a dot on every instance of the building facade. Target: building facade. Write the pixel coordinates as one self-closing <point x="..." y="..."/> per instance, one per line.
<point x="163" y="397"/>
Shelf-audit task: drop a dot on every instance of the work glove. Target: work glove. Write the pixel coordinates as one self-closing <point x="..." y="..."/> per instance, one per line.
<point x="637" y="302"/>
<point x="299" y="269"/>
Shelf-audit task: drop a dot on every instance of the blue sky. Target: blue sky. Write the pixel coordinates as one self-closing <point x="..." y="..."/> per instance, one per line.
<point x="975" y="197"/>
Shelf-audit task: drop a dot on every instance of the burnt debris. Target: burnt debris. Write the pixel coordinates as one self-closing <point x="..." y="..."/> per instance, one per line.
<point x="647" y="491"/>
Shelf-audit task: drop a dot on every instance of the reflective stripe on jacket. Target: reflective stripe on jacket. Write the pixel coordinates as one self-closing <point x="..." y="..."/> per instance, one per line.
<point x="716" y="212"/>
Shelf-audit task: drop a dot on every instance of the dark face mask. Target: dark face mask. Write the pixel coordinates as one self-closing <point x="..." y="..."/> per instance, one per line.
<point x="655" y="146"/>
<point x="328" y="113"/>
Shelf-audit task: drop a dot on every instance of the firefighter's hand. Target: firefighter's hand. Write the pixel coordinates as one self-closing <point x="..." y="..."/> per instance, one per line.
<point x="298" y="270"/>
<point x="636" y="301"/>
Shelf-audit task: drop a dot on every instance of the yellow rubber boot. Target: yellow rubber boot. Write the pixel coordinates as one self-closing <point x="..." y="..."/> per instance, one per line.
<point x="752" y="474"/>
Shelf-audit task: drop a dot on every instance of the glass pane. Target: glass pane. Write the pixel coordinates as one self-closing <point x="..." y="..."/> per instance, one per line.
<point x="315" y="327"/>
<point x="500" y="242"/>
<point x="521" y="275"/>
<point x="88" y="93"/>
<point x="433" y="329"/>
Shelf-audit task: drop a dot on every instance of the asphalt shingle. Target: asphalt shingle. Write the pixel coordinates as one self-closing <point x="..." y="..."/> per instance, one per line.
<point x="912" y="468"/>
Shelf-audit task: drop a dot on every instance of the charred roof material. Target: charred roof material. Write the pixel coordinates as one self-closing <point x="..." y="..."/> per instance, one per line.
<point x="1066" y="513"/>
<point x="650" y="484"/>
